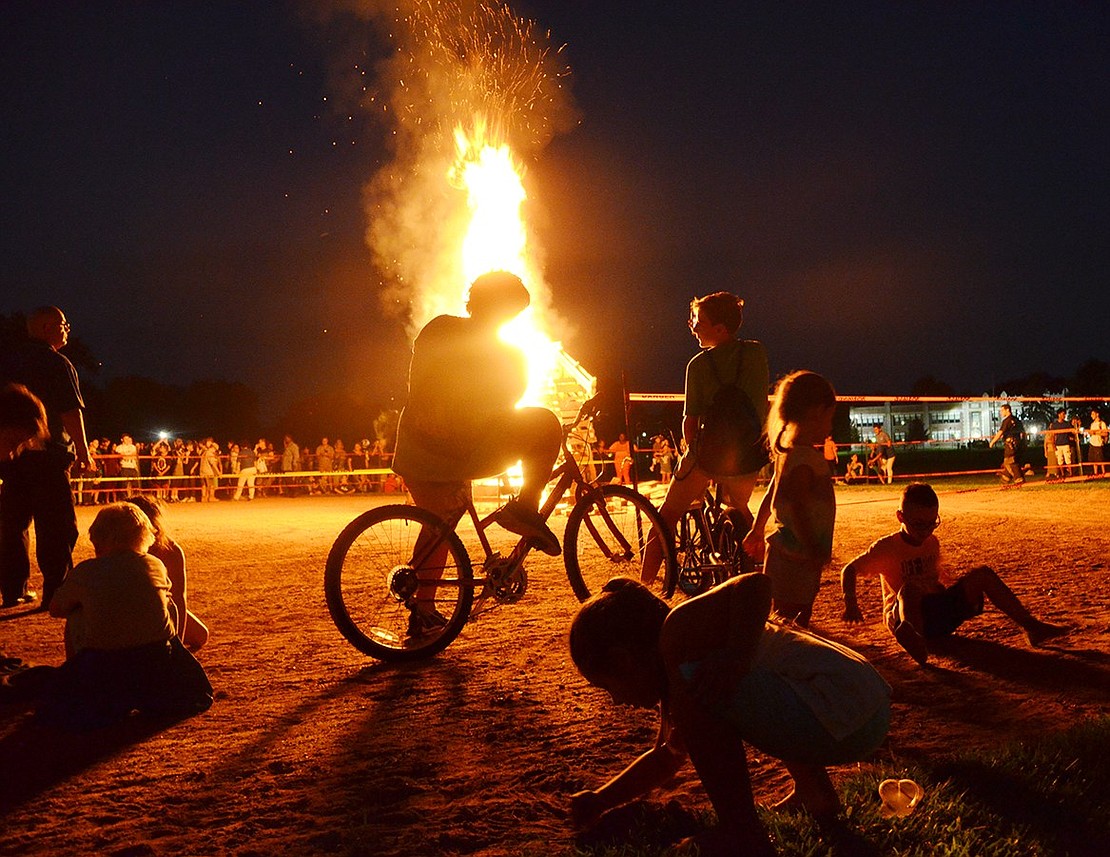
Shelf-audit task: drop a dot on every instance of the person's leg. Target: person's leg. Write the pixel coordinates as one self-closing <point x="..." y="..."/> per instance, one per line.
<point x="719" y="757"/>
<point x="682" y="491"/>
<point x="907" y="623"/>
<point x="982" y="581"/>
<point x="738" y="494"/>
<point x="15" y="523"/>
<point x="535" y="435"/>
<point x="448" y="501"/>
<point x="532" y="435"/>
<point x="55" y="527"/>
<point x="888" y="468"/>
<point x="240" y="483"/>
<point x="252" y="475"/>
<point x="196" y="632"/>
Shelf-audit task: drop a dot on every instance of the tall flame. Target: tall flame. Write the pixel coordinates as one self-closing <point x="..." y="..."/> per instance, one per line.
<point x="496" y="239"/>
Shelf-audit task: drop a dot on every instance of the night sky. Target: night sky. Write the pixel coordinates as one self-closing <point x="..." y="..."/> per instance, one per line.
<point x="896" y="189"/>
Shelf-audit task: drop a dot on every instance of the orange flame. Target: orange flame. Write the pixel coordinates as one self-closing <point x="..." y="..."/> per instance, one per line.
<point x="496" y="239"/>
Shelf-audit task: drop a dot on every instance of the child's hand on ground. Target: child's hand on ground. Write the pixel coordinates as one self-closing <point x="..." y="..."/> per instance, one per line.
<point x="586" y="807"/>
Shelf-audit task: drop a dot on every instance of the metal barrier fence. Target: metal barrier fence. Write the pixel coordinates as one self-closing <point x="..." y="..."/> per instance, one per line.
<point x="961" y="451"/>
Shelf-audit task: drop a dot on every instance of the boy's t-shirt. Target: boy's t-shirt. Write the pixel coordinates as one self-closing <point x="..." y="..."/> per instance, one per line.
<point x="896" y="562"/>
<point x="121" y="600"/>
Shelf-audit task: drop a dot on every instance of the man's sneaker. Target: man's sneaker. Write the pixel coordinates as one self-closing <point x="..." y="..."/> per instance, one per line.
<point x="26" y="598"/>
<point x="425" y="621"/>
<point x="518" y="518"/>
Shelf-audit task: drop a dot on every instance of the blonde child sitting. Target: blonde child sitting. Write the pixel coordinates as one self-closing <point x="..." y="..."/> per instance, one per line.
<point x="122" y="650"/>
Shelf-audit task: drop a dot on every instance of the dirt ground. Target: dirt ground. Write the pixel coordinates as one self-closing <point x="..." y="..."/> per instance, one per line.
<point x="311" y="748"/>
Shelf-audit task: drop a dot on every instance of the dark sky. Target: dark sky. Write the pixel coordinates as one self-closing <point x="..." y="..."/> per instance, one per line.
<point x="896" y="189"/>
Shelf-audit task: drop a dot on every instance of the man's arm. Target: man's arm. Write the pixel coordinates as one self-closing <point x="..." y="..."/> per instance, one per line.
<point x="74" y="423"/>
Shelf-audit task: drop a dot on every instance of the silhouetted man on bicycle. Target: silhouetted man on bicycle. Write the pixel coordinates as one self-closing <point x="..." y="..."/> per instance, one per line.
<point x="461" y="423"/>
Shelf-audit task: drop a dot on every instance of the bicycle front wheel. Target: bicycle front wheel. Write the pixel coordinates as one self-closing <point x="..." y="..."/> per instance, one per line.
<point x="399" y="583"/>
<point x="607" y="531"/>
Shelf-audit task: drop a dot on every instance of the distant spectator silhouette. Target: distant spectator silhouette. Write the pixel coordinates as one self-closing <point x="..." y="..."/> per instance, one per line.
<point x="325" y="463"/>
<point x="621" y="450"/>
<point x="128" y="454"/>
<point x="1012" y="434"/>
<point x="880" y="458"/>
<point x="248" y="473"/>
<point x="1096" y="443"/>
<point x="854" y="471"/>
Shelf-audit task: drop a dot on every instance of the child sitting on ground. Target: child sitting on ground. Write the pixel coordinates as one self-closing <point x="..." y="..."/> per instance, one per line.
<point x="192" y="632"/>
<point x="122" y="652"/>
<point x="917" y="605"/>
<point x="722" y="674"/>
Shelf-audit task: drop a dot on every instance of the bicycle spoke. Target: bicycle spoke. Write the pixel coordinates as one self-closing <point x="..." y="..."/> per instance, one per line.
<point x="374" y="584"/>
<point x="607" y="533"/>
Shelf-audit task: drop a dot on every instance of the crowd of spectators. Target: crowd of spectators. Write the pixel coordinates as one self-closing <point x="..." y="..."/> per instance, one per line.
<point x="186" y="471"/>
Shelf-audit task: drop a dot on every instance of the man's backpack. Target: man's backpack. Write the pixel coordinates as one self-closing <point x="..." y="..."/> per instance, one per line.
<point x="731" y="439"/>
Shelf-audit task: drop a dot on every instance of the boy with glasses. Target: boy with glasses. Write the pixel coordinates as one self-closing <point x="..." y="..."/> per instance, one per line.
<point x="920" y="602"/>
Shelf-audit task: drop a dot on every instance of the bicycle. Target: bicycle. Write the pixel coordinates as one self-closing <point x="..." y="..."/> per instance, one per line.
<point x="383" y="557"/>
<point x="709" y="548"/>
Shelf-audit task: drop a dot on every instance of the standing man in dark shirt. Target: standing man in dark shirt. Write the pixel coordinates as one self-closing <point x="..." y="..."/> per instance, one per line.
<point x="1012" y="435"/>
<point x="36" y="484"/>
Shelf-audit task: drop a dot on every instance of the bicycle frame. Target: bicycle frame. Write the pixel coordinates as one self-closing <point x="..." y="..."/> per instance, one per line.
<point x="567" y="474"/>
<point x="714" y="557"/>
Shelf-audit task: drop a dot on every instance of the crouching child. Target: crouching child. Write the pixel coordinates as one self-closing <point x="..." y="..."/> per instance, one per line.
<point x="721" y="675"/>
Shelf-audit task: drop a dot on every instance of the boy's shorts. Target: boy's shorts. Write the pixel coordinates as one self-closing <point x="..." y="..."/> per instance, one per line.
<point x="946" y="610"/>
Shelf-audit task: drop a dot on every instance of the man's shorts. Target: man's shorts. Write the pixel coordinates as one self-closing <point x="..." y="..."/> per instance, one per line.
<point x="946" y="610"/>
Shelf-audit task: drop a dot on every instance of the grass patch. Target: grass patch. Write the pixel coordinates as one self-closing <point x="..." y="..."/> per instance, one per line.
<point x="1048" y="798"/>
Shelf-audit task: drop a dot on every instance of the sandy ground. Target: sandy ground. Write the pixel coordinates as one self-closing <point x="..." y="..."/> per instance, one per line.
<point x="311" y="748"/>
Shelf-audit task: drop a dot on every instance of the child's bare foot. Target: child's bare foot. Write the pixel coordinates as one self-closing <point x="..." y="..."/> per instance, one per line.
<point x="1041" y="631"/>
<point x="822" y="804"/>
<point x="908" y="638"/>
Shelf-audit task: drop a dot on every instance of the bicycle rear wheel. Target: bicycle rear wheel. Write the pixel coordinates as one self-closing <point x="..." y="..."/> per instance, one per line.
<point x="693" y="556"/>
<point x="374" y="577"/>
<point x="606" y="533"/>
